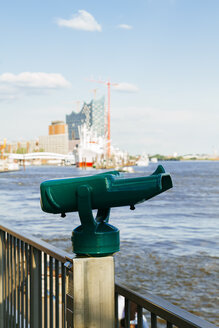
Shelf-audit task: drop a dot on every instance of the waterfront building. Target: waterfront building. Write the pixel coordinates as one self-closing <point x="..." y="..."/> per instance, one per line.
<point x="74" y="120"/>
<point x="22" y="146"/>
<point x="57" y="143"/>
<point x="58" y="127"/>
<point x="57" y="140"/>
<point x="92" y="114"/>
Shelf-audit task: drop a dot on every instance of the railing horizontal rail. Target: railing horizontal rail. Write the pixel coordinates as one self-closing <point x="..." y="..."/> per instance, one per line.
<point x="39" y="244"/>
<point x="163" y="309"/>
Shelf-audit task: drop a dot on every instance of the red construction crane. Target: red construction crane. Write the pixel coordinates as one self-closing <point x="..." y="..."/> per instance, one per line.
<point x="108" y="83"/>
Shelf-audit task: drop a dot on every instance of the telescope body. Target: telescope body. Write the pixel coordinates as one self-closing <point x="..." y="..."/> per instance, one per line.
<point x="95" y="236"/>
<point x="106" y="190"/>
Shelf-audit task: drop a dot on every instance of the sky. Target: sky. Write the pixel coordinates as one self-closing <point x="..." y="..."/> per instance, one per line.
<point x="163" y="56"/>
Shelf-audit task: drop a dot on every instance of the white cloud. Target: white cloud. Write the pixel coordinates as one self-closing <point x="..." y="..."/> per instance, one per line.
<point x="34" y="80"/>
<point x="14" y="86"/>
<point x="126" y="87"/>
<point x="125" y="26"/>
<point x="81" y="21"/>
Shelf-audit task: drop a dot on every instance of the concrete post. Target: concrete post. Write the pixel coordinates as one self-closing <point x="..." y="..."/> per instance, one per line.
<point x="94" y="292"/>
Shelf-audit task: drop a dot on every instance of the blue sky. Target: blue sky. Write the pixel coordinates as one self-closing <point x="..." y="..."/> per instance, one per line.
<point x="164" y="54"/>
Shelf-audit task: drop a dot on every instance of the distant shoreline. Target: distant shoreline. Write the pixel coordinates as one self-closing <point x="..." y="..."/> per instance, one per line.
<point x="184" y="159"/>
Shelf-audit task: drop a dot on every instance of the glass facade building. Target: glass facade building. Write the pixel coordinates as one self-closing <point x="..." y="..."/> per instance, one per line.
<point x="98" y="116"/>
<point x="92" y="114"/>
<point x="73" y="121"/>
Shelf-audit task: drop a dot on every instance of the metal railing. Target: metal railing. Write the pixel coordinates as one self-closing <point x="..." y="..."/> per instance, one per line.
<point x="161" y="312"/>
<point x="34" y="290"/>
<point x="33" y="280"/>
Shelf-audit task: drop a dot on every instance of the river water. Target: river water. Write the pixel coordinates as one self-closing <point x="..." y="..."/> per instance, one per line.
<point x="169" y="244"/>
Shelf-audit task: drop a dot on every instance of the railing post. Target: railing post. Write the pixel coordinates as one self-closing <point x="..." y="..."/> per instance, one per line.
<point x="2" y="281"/>
<point x="94" y="292"/>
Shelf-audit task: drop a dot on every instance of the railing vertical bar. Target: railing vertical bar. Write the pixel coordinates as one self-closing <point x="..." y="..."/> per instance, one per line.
<point x="15" y="280"/>
<point x="45" y="292"/>
<point x="39" y="274"/>
<point x="51" y="291"/>
<point x="57" y="292"/>
<point x="169" y="324"/>
<point x="22" y="284"/>
<point x="116" y="310"/>
<point x="35" y="288"/>
<point x="11" y="283"/>
<point x="26" y="285"/>
<point x="7" y="281"/>
<point x="63" y="296"/>
<point x="139" y="316"/>
<point x="4" y="277"/>
<point x="4" y="280"/>
<point x="12" y="280"/>
<point x="153" y="320"/>
<point x="32" y="310"/>
<point x="2" y="274"/>
<point x="127" y="313"/>
<point x="18" y="253"/>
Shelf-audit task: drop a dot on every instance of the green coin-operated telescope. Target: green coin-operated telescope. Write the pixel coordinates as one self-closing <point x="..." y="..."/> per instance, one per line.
<point x="95" y="236"/>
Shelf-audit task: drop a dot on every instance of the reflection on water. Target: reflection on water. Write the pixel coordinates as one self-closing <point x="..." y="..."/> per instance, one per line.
<point x="169" y="245"/>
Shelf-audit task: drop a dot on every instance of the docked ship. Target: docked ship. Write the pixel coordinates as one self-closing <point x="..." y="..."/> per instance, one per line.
<point x="92" y="151"/>
<point x="143" y="161"/>
<point x="91" y="148"/>
<point x="8" y="166"/>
